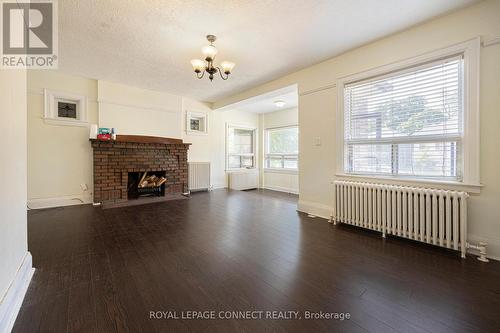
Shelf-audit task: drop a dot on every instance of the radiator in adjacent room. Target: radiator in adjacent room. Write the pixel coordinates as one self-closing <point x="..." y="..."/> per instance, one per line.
<point x="432" y="216"/>
<point x="244" y="180"/>
<point x="199" y="176"/>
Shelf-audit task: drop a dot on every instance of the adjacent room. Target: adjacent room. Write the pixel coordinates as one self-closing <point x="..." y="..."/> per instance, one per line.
<point x="233" y="166"/>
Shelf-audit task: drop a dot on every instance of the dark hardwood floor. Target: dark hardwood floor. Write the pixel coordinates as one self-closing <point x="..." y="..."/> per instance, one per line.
<point x="105" y="270"/>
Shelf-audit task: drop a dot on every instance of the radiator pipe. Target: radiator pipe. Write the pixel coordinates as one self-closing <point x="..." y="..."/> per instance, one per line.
<point x="481" y="248"/>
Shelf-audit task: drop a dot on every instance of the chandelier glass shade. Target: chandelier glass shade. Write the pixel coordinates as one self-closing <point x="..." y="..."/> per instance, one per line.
<point x="208" y="65"/>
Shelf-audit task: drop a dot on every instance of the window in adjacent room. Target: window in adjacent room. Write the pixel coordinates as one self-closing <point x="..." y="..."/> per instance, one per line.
<point x="407" y="123"/>
<point x="240" y="147"/>
<point x="282" y="148"/>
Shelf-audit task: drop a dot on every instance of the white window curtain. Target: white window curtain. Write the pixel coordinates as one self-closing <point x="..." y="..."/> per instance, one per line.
<point x="407" y="123"/>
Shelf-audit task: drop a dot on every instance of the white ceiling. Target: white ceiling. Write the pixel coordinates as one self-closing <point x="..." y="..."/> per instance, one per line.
<point x="149" y="44"/>
<point x="265" y="103"/>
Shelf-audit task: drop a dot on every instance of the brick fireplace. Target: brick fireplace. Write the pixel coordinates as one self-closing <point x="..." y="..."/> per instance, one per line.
<point x="114" y="161"/>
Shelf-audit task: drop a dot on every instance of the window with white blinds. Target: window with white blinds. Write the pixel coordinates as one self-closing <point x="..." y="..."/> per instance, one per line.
<point x="408" y="123"/>
<point x="240" y="152"/>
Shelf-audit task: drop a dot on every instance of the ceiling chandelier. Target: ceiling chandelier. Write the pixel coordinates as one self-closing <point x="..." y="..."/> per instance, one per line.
<point x="208" y="65"/>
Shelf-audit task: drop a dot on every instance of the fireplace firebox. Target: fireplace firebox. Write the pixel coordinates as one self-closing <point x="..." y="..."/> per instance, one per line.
<point x="146" y="184"/>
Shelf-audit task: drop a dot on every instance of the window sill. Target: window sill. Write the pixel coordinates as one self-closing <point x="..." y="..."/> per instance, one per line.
<point x="199" y="133"/>
<point x="241" y="170"/>
<point x="65" y="122"/>
<point x="284" y="171"/>
<point x="441" y="184"/>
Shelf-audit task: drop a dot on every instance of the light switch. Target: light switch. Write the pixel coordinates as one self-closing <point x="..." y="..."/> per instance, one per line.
<point x="317" y="141"/>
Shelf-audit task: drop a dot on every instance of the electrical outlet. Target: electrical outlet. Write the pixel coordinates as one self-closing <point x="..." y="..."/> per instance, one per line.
<point x="84" y="187"/>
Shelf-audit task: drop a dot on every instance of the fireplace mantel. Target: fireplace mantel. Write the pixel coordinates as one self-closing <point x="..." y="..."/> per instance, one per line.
<point x="143" y="139"/>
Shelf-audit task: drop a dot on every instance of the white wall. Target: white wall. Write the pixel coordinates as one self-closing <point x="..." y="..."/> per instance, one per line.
<point x="218" y="131"/>
<point x="144" y="112"/>
<point x="13" y="225"/>
<point x="285" y="181"/>
<point x="59" y="157"/>
<point x="317" y="107"/>
<point x="201" y="144"/>
<point x="136" y="111"/>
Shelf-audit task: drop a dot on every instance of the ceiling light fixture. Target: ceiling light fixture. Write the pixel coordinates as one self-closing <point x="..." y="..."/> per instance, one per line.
<point x="279" y="104"/>
<point x="208" y="65"/>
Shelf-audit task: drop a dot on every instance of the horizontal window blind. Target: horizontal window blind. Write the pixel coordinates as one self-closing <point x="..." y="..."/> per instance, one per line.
<point x="240" y="148"/>
<point x="240" y="141"/>
<point x="406" y="123"/>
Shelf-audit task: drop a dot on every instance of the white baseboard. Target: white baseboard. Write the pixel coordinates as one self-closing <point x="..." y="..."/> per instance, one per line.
<point x="69" y="200"/>
<point x="218" y="186"/>
<point x="13" y="299"/>
<point x="281" y="189"/>
<point x="314" y="208"/>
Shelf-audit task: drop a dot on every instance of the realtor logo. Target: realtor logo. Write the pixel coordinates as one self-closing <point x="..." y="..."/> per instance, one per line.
<point x="29" y="34"/>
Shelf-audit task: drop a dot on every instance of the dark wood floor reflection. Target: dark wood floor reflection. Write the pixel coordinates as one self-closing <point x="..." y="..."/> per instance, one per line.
<point x="105" y="270"/>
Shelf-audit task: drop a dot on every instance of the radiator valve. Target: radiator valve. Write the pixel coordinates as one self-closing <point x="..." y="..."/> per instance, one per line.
<point x="482" y="250"/>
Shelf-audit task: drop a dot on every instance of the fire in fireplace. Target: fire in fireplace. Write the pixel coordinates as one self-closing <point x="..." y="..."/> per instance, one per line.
<point x="146" y="184"/>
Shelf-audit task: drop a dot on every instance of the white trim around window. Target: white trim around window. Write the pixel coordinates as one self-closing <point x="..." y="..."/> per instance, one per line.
<point x="470" y="51"/>
<point x="202" y="123"/>
<point x="50" y="113"/>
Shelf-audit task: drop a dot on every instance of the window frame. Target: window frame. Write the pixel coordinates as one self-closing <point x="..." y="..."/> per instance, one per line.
<point x="283" y="156"/>
<point x="50" y="112"/>
<point x="200" y="116"/>
<point x="470" y="51"/>
<point x="254" y="146"/>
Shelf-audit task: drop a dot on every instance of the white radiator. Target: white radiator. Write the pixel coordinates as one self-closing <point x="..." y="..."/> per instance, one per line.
<point x="432" y="216"/>
<point x="244" y="180"/>
<point x="199" y="176"/>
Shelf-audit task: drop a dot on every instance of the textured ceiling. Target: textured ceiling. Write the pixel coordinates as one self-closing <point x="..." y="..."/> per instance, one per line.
<point x="149" y="44"/>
